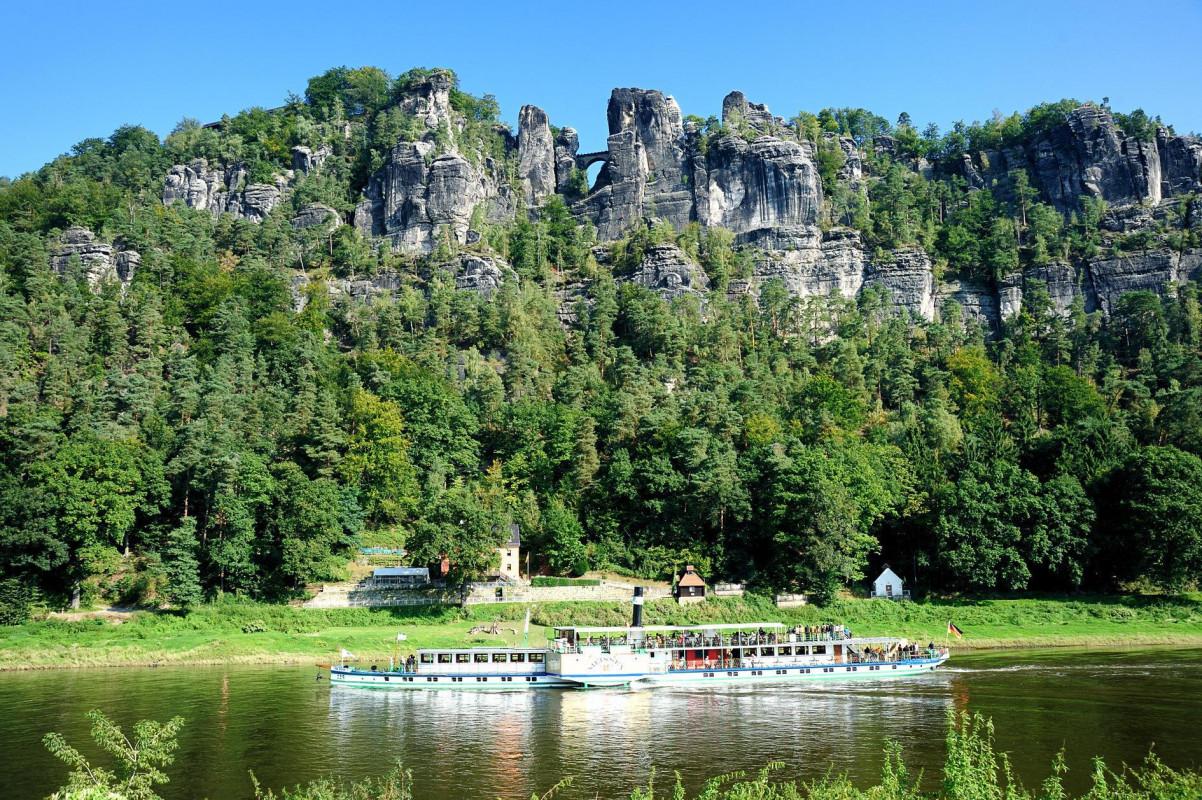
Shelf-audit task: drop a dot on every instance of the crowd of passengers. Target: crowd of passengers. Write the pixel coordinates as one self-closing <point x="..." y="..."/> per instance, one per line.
<point x="800" y="633"/>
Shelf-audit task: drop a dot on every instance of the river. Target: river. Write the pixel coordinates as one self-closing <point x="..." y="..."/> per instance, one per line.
<point x="289" y="727"/>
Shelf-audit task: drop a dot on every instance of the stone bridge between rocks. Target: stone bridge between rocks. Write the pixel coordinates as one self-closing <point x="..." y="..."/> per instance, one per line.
<point x="586" y="160"/>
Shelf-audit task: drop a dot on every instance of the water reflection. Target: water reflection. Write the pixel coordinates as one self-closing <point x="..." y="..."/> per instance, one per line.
<point x="612" y="738"/>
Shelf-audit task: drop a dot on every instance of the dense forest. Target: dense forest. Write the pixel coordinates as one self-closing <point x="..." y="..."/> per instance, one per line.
<point x="217" y="425"/>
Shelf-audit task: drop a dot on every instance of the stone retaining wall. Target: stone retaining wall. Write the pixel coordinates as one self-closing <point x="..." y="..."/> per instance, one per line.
<point x="523" y="593"/>
<point x="363" y="596"/>
<point x="790" y="600"/>
<point x="341" y="596"/>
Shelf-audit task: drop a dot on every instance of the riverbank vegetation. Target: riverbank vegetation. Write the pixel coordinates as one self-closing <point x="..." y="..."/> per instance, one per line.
<point x="973" y="769"/>
<point x="217" y="428"/>
<point x="239" y="631"/>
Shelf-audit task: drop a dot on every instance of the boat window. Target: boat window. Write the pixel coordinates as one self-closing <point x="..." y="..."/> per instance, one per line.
<point x="786" y="651"/>
<point x="444" y="658"/>
<point x="819" y="650"/>
<point x="427" y="658"/>
<point x="463" y="658"/>
<point x="536" y="658"/>
<point x="767" y="651"/>
<point x="481" y="658"/>
<point x="500" y="658"/>
<point x="518" y="657"/>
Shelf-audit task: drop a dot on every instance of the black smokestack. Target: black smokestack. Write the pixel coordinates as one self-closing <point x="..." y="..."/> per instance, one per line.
<point x="637" y="621"/>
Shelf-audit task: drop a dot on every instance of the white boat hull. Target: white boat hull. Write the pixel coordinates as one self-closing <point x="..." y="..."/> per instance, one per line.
<point x="346" y="676"/>
<point x="795" y="674"/>
<point x="340" y="676"/>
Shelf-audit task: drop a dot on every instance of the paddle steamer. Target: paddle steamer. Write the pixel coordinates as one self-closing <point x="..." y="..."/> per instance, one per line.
<point x="656" y="655"/>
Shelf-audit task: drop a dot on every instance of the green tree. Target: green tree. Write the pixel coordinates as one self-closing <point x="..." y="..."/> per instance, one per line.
<point x="563" y="540"/>
<point x="181" y="566"/>
<point x="1153" y="518"/>
<point x="377" y="459"/>
<point x="816" y="508"/>
<point x="139" y="762"/>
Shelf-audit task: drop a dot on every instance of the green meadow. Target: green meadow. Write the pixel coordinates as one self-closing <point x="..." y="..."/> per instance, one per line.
<point x="236" y="631"/>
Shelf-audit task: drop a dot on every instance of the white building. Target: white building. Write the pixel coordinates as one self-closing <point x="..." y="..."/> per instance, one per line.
<point x="511" y="554"/>
<point x="889" y="586"/>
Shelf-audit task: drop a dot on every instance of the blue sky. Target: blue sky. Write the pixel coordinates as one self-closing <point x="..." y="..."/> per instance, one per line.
<point x="72" y="70"/>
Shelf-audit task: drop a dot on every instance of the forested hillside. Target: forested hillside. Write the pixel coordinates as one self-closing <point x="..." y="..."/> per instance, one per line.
<point x="375" y="315"/>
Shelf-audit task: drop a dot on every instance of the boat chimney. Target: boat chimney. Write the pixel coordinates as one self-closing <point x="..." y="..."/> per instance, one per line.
<point x="637" y="621"/>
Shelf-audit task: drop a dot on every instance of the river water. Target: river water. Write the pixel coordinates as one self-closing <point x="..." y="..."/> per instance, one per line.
<point x="289" y="727"/>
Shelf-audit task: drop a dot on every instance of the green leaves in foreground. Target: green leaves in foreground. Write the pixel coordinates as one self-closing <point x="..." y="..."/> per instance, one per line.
<point x="139" y="762"/>
<point x="973" y="770"/>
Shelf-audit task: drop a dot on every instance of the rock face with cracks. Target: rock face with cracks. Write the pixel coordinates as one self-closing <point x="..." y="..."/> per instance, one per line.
<point x="756" y="175"/>
<point x="101" y="262"/>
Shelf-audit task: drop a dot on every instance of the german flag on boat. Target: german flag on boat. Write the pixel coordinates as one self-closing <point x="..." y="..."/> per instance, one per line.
<point x="954" y="630"/>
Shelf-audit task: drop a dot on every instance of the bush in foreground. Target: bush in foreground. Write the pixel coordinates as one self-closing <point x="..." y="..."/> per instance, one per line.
<point x="973" y="770"/>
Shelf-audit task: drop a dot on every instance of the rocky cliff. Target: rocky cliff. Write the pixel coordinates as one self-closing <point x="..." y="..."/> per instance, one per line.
<point x="101" y="262"/>
<point x="222" y="190"/>
<point x="1089" y="155"/>
<point x="755" y="175"/>
<point x="438" y="181"/>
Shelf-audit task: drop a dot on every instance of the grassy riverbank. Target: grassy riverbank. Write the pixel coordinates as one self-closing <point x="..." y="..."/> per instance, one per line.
<point x="242" y="632"/>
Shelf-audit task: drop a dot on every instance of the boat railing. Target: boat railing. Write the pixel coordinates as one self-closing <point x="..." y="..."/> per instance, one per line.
<point x="815" y="635"/>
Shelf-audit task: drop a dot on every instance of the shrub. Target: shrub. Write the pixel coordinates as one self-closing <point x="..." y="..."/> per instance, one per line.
<point x="543" y="580"/>
<point x="14" y="602"/>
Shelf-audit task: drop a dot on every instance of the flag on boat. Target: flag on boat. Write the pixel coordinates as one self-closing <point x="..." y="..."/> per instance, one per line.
<point x="954" y="631"/>
<point x="347" y="653"/>
<point x="400" y="637"/>
<point x="526" y="627"/>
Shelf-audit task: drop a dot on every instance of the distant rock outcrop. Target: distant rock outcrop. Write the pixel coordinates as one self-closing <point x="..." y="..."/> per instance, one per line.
<point x="436" y="182"/>
<point x="1089" y="155"/>
<point x="222" y="191"/>
<point x="536" y="155"/>
<point x="102" y="263"/>
<point x="666" y="270"/>
<point x="316" y="215"/>
<point x="1153" y="270"/>
<point x="482" y="274"/>
<point x="306" y="160"/>
<point x="755" y="175"/>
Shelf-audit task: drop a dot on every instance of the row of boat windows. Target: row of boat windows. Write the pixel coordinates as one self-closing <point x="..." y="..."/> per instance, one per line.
<point x="452" y="679"/>
<point x="785" y="650"/>
<point x="482" y="658"/>
<point x="802" y="671"/>
<point x="731" y="674"/>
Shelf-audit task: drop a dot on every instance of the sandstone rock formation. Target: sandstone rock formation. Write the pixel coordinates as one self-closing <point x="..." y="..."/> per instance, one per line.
<point x="102" y="263"/>
<point x="306" y="160"/>
<point x="536" y="155"/>
<point x="567" y="143"/>
<point x="755" y="177"/>
<point x="766" y="191"/>
<point x="316" y="215"/>
<point x="908" y="278"/>
<point x="737" y="112"/>
<point x="434" y="183"/>
<point x="644" y="173"/>
<point x="1154" y="270"/>
<point x="418" y="192"/>
<point x="667" y="271"/>
<point x="482" y="274"/>
<point x="223" y="191"/>
<point x="1090" y="155"/>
